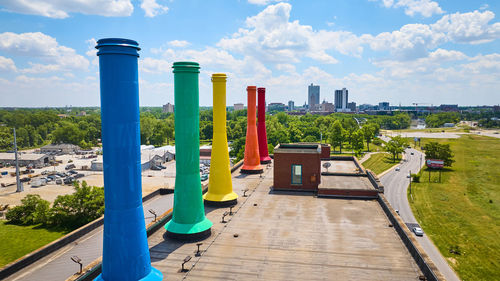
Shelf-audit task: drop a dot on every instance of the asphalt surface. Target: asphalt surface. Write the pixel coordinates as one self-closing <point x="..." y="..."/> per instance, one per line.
<point x="58" y="265"/>
<point x="396" y="184"/>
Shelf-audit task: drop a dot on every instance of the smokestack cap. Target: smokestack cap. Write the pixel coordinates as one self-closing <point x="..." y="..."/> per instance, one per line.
<point x="219" y="77"/>
<point x="261" y="90"/>
<point x="186" y="66"/>
<point x="117" y="46"/>
<point x="252" y="88"/>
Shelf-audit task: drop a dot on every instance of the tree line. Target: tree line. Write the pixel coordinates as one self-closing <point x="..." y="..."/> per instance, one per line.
<point x="37" y="127"/>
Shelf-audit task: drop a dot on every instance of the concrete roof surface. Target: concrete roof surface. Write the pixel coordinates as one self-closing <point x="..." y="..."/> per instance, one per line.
<point x="290" y="236"/>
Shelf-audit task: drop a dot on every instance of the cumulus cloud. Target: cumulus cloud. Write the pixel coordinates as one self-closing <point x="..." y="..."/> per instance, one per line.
<point x="37" y="45"/>
<point x="272" y="37"/>
<point x="263" y="2"/>
<point x="152" y="8"/>
<point x="61" y="9"/>
<point x="470" y="27"/>
<point x="7" y="65"/>
<point x="179" y="43"/>
<point x="426" y="8"/>
<point x="413" y="41"/>
<point x="155" y="66"/>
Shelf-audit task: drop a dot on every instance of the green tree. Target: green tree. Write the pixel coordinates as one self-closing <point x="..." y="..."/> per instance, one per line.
<point x="396" y="146"/>
<point x="337" y="135"/>
<point x="33" y="210"/>
<point x="357" y="142"/>
<point x="368" y="133"/>
<point x="435" y="150"/>
<point x="83" y="206"/>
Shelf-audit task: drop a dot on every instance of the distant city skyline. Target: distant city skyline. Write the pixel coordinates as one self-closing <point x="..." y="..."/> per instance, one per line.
<point x="433" y="51"/>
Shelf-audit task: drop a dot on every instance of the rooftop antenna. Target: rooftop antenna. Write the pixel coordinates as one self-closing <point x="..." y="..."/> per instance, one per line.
<point x="18" y="181"/>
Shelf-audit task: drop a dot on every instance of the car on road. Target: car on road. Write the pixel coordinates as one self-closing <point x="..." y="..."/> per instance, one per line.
<point x="397" y="169"/>
<point x="418" y="231"/>
<point x="412" y="153"/>
<point x="204" y="177"/>
<point x="408" y="176"/>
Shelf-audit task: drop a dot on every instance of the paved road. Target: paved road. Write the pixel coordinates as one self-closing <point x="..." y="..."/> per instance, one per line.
<point x="58" y="265"/>
<point x="396" y="184"/>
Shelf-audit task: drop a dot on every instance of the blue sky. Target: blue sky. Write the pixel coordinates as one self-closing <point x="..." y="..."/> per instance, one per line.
<point x="401" y="51"/>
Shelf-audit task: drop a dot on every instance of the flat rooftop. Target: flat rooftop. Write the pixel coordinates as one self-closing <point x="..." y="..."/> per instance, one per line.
<point x="289" y="236"/>
<point x="345" y="183"/>
<point x="339" y="166"/>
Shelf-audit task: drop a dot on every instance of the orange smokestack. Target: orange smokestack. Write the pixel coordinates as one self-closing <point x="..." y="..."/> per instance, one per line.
<point x="251" y="164"/>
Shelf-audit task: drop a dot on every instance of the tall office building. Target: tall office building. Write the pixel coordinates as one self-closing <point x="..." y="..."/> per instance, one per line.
<point x="313" y="97"/>
<point x="291" y="105"/>
<point x="341" y="100"/>
<point x="384" y="106"/>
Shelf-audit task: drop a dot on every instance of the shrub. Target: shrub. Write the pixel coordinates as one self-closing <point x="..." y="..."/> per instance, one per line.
<point x="415" y="177"/>
<point x="33" y="210"/>
<point x="79" y="208"/>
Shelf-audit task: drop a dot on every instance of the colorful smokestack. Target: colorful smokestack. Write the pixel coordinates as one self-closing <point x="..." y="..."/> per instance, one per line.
<point x="261" y="127"/>
<point x="220" y="185"/>
<point x="125" y="245"/>
<point x="188" y="218"/>
<point x="251" y="164"/>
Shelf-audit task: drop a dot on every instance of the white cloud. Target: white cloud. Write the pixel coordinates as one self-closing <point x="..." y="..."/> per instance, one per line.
<point x="179" y="43"/>
<point x="7" y="65"/>
<point x="435" y="60"/>
<point x="287" y="67"/>
<point x="415" y="40"/>
<point x="155" y="66"/>
<point x="410" y="42"/>
<point x="44" y="48"/>
<point x="426" y="8"/>
<point x="271" y="37"/>
<point x="471" y="27"/>
<point x="263" y="2"/>
<point x="62" y="8"/>
<point x="152" y="8"/>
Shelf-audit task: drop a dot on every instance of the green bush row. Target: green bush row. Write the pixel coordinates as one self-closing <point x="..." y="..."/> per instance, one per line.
<point x="68" y="211"/>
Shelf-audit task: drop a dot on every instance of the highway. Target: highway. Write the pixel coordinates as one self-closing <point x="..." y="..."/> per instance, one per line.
<point x="396" y="184"/>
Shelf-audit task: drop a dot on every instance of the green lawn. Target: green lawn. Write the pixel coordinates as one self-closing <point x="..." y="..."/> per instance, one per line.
<point x="462" y="213"/>
<point x="379" y="162"/>
<point x="17" y="241"/>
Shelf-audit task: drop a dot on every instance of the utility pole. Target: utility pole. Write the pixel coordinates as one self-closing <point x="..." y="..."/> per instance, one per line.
<point x="18" y="181"/>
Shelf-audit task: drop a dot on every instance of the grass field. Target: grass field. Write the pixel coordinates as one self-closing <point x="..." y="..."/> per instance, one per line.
<point x="17" y="241"/>
<point x="462" y="214"/>
<point x="379" y="162"/>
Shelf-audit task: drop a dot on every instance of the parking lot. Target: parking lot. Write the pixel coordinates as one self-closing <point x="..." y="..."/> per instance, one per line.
<point x="50" y="189"/>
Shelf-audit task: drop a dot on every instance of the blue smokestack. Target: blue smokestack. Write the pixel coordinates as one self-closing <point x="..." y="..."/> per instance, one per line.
<point x="125" y="245"/>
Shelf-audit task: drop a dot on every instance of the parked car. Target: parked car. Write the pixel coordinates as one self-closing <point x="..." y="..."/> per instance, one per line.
<point x="59" y="181"/>
<point x="204" y="177"/>
<point x="412" y="153"/>
<point x="70" y="166"/>
<point x="161" y="166"/>
<point x="397" y="169"/>
<point x="72" y="172"/>
<point x="68" y="180"/>
<point x="24" y="179"/>
<point x="418" y="231"/>
<point x="155" y="168"/>
<point x="77" y="176"/>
